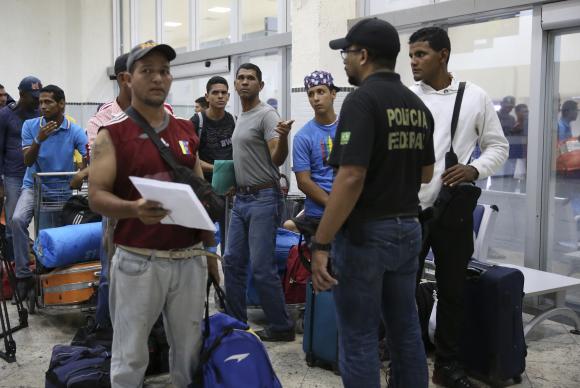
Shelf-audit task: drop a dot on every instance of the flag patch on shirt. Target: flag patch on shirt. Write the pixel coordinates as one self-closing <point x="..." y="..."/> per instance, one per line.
<point x="344" y="138"/>
<point x="184" y="144"/>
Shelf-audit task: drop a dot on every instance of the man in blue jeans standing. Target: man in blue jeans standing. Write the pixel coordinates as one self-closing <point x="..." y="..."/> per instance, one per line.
<point x="48" y="144"/>
<point x="12" y="166"/>
<point x="383" y="150"/>
<point x="260" y="146"/>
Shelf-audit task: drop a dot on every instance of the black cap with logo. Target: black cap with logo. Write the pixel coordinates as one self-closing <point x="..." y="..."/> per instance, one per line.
<point x="143" y="49"/>
<point x="371" y="33"/>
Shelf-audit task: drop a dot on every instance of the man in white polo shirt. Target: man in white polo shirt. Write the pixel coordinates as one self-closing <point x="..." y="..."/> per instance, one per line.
<point x="429" y="50"/>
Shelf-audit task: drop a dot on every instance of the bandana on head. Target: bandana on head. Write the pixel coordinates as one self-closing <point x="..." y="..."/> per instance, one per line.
<point x="317" y="78"/>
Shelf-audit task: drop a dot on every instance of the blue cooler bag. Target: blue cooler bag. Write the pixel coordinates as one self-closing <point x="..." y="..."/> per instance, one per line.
<point x="232" y="355"/>
<point x="285" y="240"/>
<point x="71" y="244"/>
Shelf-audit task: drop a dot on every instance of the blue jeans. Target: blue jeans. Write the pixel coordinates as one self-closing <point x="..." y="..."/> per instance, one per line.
<point x="12" y="189"/>
<point x="378" y="277"/>
<point x="20" y="221"/>
<point x="102" y="314"/>
<point x="252" y="240"/>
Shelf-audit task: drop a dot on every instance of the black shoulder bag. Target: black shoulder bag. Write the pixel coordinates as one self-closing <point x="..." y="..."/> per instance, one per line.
<point x="213" y="203"/>
<point x="454" y="204"/>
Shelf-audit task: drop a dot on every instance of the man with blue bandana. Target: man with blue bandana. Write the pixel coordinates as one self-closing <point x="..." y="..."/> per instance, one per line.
<point x="312" y="147"/>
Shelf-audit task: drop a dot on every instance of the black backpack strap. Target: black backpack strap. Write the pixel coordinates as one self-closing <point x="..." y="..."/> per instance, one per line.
<point x="456" y="109"/>
<point x="164" y="150"/>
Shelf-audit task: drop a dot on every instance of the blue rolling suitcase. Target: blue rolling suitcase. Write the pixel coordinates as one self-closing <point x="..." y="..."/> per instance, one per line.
<point x="493" y="347"/>
<point x="320" y="330"/>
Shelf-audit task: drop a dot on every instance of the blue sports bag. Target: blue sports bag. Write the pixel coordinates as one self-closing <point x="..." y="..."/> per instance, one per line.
<point x="232" y="354"/>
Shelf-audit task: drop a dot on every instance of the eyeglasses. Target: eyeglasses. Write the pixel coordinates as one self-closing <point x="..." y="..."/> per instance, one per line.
<point x="344" y="53"/>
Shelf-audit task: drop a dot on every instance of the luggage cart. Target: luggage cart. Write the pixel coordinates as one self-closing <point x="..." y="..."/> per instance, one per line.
<point x="51" y="192"/>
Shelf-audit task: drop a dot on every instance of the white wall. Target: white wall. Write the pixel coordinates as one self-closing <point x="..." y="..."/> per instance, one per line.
<point x="68" y="43"/>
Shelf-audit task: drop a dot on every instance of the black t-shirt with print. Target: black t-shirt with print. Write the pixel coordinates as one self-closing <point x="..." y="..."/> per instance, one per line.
<point x="386" y="128"/>
<point x="215" y="140"/>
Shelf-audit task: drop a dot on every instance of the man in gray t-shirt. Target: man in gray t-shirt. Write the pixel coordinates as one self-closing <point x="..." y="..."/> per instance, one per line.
<point x="260" y="145"/>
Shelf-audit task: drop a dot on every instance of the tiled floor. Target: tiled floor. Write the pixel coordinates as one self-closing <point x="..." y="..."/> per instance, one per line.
<point x="553" y="356"/>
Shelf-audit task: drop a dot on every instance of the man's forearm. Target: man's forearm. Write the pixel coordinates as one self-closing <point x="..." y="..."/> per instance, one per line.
<point x="31" y="154"/>
<point x="109" y="205"/>
<point x="346" y="190"/>
<point x="281" y="151"/>
<point x="314" y="192"/>
<point x="205" y="166"/>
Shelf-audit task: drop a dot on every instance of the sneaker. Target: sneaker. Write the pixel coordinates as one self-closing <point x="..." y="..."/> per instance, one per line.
<point x="452" y="376"/>
<point x="276" y="336"/>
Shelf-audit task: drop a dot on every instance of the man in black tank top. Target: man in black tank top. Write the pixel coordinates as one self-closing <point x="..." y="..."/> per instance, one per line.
<point x="214" y="126"/>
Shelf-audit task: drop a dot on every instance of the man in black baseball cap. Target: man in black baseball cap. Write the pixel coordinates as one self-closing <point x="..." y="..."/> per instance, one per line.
<point x="383" y="151"/>
<point x="120" y="66"/>
<point x="143" y="49"/>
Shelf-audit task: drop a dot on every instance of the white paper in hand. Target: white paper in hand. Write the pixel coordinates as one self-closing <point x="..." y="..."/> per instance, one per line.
<point x="184" y="207"/>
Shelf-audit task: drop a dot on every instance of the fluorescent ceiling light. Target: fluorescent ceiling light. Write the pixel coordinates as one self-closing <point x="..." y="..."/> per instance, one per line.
<point x="219" y="9"/>
<point x="172" y="24"/>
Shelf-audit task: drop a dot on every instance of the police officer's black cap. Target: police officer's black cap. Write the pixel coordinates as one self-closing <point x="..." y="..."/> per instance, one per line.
<point x="120" y="65"/>
<point x="145" y="48"/>
<point x="371" y="33"/>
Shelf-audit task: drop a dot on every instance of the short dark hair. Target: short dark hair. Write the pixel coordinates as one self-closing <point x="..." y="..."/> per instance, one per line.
<point x="436" y="37"/>
<point x="57" y="93"/>
<point x="214" y="81"/>
<point x="250" y="66"/>
<point x="1" y="86"/>
<point x="569" y="105"/>
<point x="202" y="101"/>
<point x="381" y="60"/>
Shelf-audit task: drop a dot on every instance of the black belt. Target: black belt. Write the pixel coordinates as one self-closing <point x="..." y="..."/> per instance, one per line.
<point x="255" y="189"/>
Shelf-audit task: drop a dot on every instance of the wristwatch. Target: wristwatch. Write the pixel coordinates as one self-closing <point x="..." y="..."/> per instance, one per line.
<point x="315" y="246"/>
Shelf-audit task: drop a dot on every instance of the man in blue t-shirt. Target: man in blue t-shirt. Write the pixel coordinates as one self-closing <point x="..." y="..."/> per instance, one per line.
<point x="311" y="149"/>
<point x="48" y="144"/>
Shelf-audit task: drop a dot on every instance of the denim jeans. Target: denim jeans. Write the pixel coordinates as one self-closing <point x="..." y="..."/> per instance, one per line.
<point x="102" y="315"/>
<point x="12" y="189"/>
<point x="20" y="221"/>
<point x="378" y="277"/>
<point x="252" y="241"/>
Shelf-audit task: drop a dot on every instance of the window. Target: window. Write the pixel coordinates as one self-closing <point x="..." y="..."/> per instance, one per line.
<point x="483" y="53"/>
<point x="146" y="20"/>
<point x="214" y="18"/>
<point x="563" y="255"/>
<point x="259" y="18"/>
<point x="176" y="24"/>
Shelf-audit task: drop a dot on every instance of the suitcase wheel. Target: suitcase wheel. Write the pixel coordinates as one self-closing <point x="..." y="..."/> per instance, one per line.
<point x="310" y="361"/>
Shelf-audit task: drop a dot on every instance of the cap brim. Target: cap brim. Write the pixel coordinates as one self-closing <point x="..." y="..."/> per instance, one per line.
<point x="339" y="44"/>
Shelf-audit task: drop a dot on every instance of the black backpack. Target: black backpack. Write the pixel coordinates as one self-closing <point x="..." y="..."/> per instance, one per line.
<point x="77" y="211"/>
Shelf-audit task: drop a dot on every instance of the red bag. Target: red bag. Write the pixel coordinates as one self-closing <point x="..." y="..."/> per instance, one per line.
<point x="296" y="276"/>
<point x="6" y="288"/>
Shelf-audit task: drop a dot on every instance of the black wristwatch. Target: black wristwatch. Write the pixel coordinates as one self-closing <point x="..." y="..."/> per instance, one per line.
<point x="315" y="246"/>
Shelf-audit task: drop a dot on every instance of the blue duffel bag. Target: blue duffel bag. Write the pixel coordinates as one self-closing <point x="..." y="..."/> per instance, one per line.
<point x="79" y="367"/>
<point x="232" y="355"/>
<point x="67" y="245"/>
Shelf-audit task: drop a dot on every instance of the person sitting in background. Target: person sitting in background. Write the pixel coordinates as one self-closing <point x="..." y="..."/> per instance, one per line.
<point x="506" y="120"/>
<point x="48" y="144"/>
<point x="200" y="104"/>
<point x="521" y="125"/>
<point x="311" y="149"/>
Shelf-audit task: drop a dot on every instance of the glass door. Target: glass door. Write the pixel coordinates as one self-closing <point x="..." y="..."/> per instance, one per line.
<point x="563" y="142"/>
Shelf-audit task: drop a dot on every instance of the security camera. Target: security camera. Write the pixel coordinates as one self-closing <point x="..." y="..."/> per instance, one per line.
<point x="207" y="63"/>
